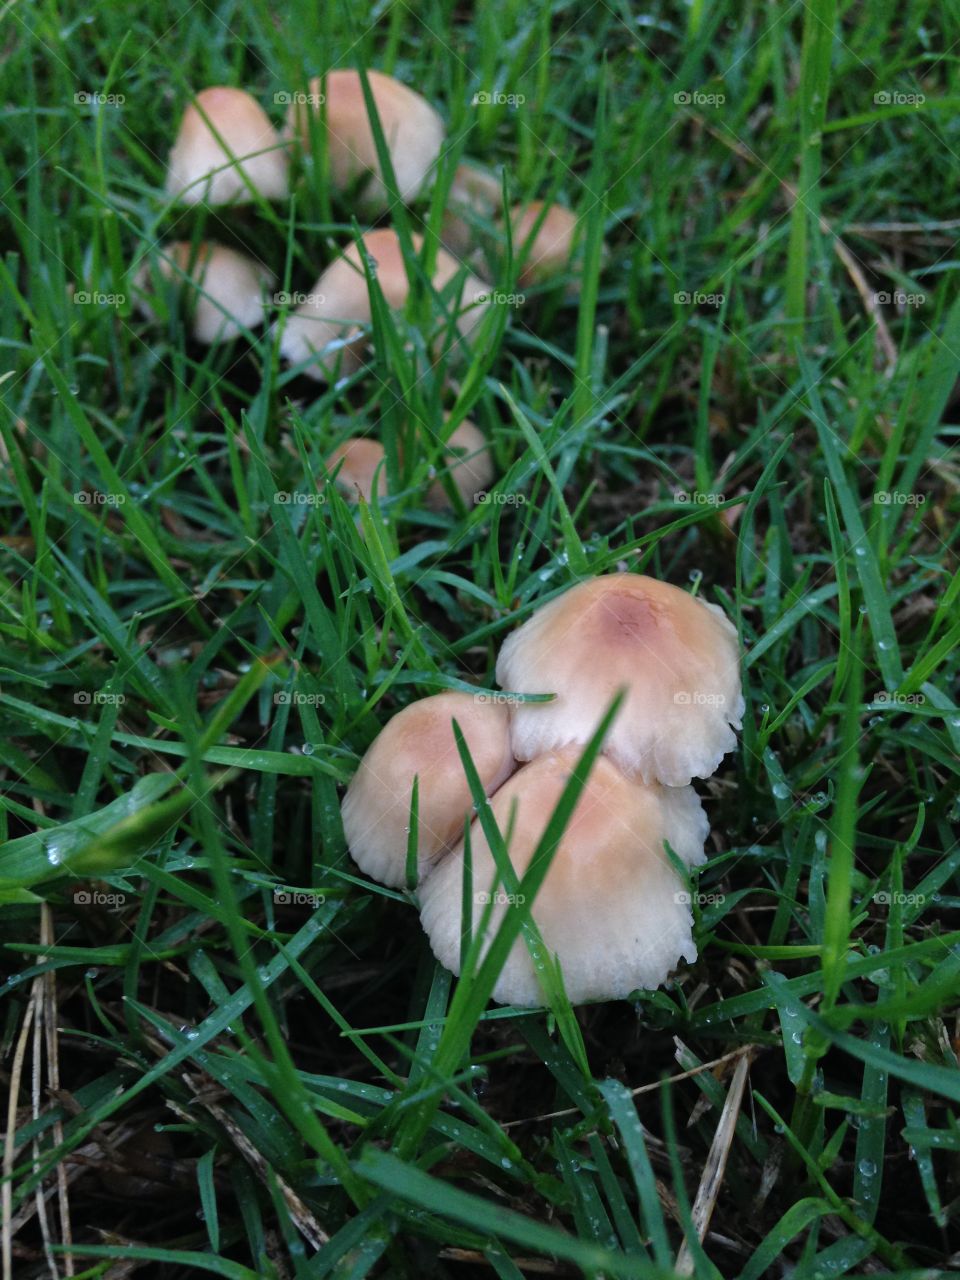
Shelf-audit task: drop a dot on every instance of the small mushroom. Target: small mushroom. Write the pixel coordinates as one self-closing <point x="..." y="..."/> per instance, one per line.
<point x="475" y="197"/>
<point x="327" y="324"/>
<point x="411" y="127"/>
<point x="469" y="463"/>
<point x="227" y="289"/>
<point x="611" y="908"/>
<point x="419" y="743"/>
<point x="677" y="657"/>
<point x="359" y="464"/>
<point x="550" y="247"/>
<point x="207" y="168"/>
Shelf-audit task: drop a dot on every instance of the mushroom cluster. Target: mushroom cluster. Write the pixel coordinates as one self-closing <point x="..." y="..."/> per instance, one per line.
<point x="227" y="153"/>
<point x="612" y="908"/>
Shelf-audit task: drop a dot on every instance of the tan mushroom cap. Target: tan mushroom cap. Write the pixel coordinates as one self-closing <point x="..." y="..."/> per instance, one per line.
<point x="413" y="131"/>
<point x="469" y="464"/>
<point x="475" y="194"/>
<point x="327" y="323"/>
<point x="552" y="247"/>
<point x="676" y="655"/>
<point x="229" y="289"/>
<point x="358" y="459"/>
<point x="419" y="742"/>
<point x="611" y="908"/>
<point x="200" y="170"/>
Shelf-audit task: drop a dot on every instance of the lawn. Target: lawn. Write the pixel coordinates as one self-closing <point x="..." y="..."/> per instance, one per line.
<point x="226" y="1050"/>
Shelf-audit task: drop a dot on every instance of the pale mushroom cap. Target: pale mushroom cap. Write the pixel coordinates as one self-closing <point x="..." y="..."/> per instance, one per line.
<point x="550" y="250"/>
<point x="360" y="459"/>
<point x="230" y="288"/>
<point x="475" y="193"/>
<point x="200" y="170"/>
<point x="611" y="907"/>
<point x="413" y="131"/>
<point x="326" y="324"/>
<point x="470" y="466"/>
<point x="419" y="742"/>
<point x="676" y="656"/>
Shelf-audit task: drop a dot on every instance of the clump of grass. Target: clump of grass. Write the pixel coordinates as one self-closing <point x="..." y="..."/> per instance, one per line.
<point x="231" y="1054"/>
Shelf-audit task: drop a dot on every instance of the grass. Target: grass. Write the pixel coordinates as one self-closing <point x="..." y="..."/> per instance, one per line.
<point x="213" y="1079"/>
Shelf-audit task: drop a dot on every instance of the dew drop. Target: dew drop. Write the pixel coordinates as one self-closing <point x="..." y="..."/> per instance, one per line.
<point x="867" y="1168"/>
<point x="308" y="748"/>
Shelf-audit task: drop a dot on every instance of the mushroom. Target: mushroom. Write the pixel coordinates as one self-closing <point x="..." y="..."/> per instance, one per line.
<point x="411" y="127"/>
<point x="474" y="197"/>
<point x="550" y="247"/>
<point x="677" y="657"/>
<point x="327" y="324"/>
<point x="419" y="743"/>
<point x="361" y="463"/>
<point x="469" y="463"/>
<point x="225" y="137"/>
<point x="611" y="907"/>
<point x="227" y="289"/>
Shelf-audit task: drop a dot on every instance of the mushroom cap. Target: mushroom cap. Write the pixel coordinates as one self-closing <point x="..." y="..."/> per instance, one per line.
<point x="611" y="907"/>
<point x="419" y="742"/>
<point x="360" y="459"/>
<point x="469" y="464"/>
<point x="413" y="131"/>
<point x="200" y="170"/>
<point x="551" y="248"/>
<point x="676" y="655"/>
<point x="228" y="287"/>
<point x="475" y="194"/>
<point x="326" y="325"/>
